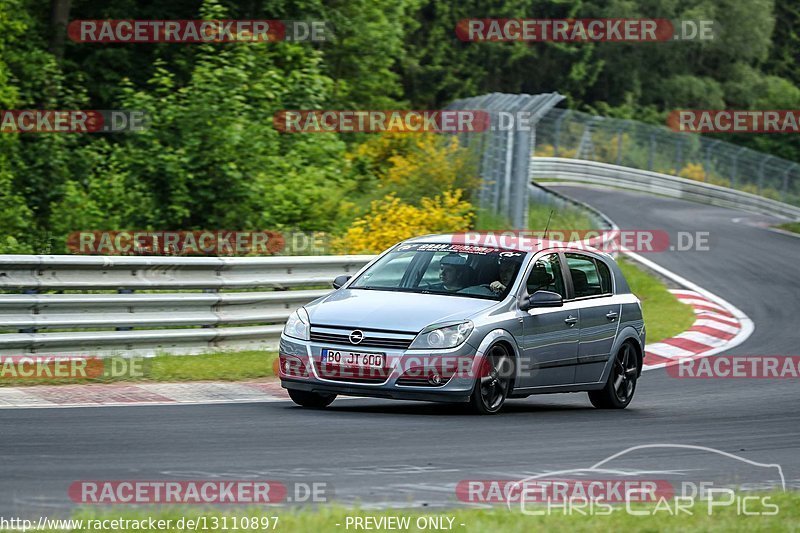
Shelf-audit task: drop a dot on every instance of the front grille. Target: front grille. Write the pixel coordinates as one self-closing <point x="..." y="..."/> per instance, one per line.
<point x="352" y="375"/>
<point x="396" y="340"/>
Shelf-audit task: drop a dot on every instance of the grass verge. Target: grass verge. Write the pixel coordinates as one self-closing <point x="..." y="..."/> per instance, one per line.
<point x="564" y="218"/>
<point x="794" y="227"/>
<point x="335" y="518"/>
<point x="228" y="366"/>
<point x="664" y="315"/>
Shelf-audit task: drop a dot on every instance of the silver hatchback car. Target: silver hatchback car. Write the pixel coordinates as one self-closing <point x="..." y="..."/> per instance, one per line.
<point x="435" y="319"/>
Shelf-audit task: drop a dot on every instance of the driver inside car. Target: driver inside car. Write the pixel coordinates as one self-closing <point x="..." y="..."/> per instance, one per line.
<point x="453" y="272"/>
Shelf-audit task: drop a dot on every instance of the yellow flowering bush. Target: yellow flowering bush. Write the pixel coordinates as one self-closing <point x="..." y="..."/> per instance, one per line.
<point x="390" y="220"/>
<point x="606" y="145"/>
<point x="693" y="171"/>
<point x="414" y="166"/>
<point x="548" y="150"/>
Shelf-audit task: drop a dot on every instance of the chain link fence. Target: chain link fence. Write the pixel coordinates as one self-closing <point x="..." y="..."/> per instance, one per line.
<point x="572" y="134"/>
<point x="503" y="150"/>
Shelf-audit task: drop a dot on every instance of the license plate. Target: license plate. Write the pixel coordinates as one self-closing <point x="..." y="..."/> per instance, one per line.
<point x="353" y="359"/>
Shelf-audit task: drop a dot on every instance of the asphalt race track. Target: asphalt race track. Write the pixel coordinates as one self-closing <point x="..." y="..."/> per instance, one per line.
<point x="391" y="453"/>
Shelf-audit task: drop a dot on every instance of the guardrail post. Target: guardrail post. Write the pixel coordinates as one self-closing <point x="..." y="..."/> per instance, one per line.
<point x="35" y="311"/>
<point x="210" y="291"/>
<point x="124" y="291"/>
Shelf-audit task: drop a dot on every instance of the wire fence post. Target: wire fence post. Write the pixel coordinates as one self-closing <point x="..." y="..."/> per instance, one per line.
<point x="707" y="160"/>
<point x="761" y="166"/>
<point x="504" y="150"/>
<point x="557" y="137"/>
<point x="735" y="174"/>
<point x="678" y="156"/>
<point x="785" y="184"/>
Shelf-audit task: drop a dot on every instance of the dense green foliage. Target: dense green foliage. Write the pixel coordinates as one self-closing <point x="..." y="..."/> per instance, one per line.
<point x="211" y="158"/>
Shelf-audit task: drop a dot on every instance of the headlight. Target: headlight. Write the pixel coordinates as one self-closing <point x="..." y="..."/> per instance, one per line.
<point x="298" y="325"/>
<point x="433" y="338"/>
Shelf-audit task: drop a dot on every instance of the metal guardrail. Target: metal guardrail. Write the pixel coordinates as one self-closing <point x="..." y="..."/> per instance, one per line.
<point x="572" y="134"/>
<point x="66" y="308"/>
<point x="593" y="172"/>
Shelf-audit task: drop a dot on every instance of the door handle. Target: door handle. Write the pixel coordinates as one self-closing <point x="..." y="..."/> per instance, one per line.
<point x="571" y="320"/>
<point x="612" y="315"/>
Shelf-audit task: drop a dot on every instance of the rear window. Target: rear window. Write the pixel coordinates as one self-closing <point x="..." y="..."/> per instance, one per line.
<point x="606" y="284"/>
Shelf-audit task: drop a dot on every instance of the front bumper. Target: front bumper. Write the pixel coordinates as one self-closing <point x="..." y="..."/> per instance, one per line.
<point x="455" y="387"/>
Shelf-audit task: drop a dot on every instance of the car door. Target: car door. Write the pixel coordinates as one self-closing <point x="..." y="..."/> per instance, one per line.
<point x="592" y="288"/>
<point x="550" y="336"/>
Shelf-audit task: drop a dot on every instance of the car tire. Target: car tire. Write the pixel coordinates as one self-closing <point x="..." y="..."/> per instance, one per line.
<point x="311" y="400"/>
<point x="621" y="385"/>
<point x="494" y="380"/>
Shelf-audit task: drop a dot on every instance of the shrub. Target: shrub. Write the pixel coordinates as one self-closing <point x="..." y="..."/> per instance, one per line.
<point x="414" y="166"/>
<point x="391" y="220"/>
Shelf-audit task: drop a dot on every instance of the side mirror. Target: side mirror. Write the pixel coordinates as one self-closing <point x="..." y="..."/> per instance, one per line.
<point x="541" y="299"/>
<point x="340" y="280"/>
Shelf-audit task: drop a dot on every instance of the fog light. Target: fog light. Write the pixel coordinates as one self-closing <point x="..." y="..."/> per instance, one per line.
<point x="291" y="366"/>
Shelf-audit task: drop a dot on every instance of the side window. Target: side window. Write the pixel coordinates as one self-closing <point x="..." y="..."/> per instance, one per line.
<point x="606" y="284"/>
<point x="546" y="276"/>
<point x="585" y="277"/>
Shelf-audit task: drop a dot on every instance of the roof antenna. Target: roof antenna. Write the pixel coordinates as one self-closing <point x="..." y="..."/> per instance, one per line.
<point x="547" y="226"/>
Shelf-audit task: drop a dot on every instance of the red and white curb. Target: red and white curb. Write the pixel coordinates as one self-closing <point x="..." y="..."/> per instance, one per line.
<point x="718" y="325"/>
<point x="714" y="327"/>
<point x="122" y="394"/>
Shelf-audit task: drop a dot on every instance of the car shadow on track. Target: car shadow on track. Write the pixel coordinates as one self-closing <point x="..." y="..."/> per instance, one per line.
<point x="443" y="409"/>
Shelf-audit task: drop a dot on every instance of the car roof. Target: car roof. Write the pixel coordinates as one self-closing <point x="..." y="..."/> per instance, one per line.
<point x="502" y="240"/>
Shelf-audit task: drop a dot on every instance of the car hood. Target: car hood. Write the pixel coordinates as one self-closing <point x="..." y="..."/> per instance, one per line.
<point x="401" y="311"/>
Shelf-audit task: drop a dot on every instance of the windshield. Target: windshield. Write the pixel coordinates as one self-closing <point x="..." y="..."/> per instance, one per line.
<point x="455" y="270"/>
